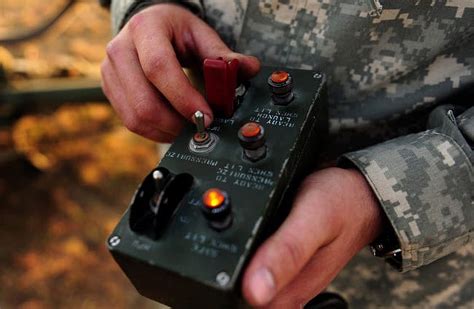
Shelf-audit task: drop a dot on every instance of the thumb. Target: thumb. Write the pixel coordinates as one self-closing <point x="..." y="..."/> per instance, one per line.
<point x="208" y="44"/>
<point x="281" y="258"/>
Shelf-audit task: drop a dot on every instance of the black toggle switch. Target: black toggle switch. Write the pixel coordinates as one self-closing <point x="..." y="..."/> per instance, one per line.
<point x="157" y="200"/>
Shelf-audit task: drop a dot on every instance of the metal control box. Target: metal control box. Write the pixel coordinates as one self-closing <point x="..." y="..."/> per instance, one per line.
<point x="166" y="245"/>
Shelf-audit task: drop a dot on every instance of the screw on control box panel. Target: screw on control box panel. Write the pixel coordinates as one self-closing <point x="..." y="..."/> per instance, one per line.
<point x="222" y="278"/>
<point x="114" y="241"/>
<point x="317" y="75"/>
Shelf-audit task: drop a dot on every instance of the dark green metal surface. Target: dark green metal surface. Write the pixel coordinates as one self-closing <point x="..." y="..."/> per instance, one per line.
<point x="34" y="95"/>
<point x="54" y="90"/>
<point x="38" y="95"/>
<point x="181" y="266"/>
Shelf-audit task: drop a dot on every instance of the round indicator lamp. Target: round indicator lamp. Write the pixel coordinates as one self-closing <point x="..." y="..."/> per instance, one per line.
<point x="281" y="87"/>
<point x="250" y="129"/>
<point x="279" y="77"/>
<point x="251" y="135"/>
<point x="213" y="198"/>
<point x="216" y="208"/>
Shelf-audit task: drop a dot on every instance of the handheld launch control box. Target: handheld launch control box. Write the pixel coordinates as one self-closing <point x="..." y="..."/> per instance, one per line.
<point x="196" y="219"/>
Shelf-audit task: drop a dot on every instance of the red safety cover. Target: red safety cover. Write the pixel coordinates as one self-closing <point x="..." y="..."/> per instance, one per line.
<point x="220" y="78"/>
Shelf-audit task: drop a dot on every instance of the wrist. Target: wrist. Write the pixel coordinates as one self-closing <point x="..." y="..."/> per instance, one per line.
<point x="373" y="217"/>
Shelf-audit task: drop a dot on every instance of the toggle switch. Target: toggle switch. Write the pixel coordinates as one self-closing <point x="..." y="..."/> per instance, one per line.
<point x="220" y="78"/>
<point x="252" y="139"/>
<point x="202" y="141"/>
<point x="216" y="207"/>
<point x="281" y="86"/>
<point x="201" y="136"/>
<point x="199" y="119"/>
<point x="157" y="200"/>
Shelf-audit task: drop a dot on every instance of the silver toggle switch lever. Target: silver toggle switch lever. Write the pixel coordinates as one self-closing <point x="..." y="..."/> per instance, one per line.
<point x="199" y="120"/>
<point x="201" y="136"/>
<point x="202" y="140"/>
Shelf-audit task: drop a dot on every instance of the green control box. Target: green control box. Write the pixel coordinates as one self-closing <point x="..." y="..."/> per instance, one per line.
<point x="197" y="218"/>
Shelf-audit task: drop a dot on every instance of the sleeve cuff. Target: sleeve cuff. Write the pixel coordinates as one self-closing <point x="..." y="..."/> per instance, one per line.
<point x="123" y="10"/>
<point x="424" y="183"/>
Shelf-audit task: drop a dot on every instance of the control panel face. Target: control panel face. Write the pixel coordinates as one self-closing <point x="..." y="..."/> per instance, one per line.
<point x="199" y="215"/>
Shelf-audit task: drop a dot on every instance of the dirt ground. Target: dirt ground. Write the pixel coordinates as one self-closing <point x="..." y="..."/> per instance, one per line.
<point x="66" y="175"/>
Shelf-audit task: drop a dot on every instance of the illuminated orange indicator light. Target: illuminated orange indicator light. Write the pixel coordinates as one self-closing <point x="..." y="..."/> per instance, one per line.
<point x="250" y="129"/>
<point x="279" y="77"/>
<point x="213" y="198"/>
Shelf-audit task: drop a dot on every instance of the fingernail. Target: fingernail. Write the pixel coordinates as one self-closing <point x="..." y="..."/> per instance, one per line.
<point x="263" y="286"/>
<point x="207" y="120"/>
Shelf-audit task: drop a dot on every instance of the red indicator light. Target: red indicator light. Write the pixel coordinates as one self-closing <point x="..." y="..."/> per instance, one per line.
<point x="213" y="198"/>
<point x="250" y="129"/>
<point x="279" y="77"/>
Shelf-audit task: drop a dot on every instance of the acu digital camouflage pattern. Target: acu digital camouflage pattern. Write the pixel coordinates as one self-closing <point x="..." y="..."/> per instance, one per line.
<point x="387" y="70"/>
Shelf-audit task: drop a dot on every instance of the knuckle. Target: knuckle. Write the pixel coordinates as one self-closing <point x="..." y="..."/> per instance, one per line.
<point x="154" y="66"/>
<point x="112" y="49"/>
<point x="134" y="125"/>
<point x="136" y="22"/>
<point x="144" y="111"/>
<point x="292" y="252"/>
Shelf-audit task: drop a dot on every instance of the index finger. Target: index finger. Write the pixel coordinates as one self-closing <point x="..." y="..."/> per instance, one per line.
<point x="162" y="68"/>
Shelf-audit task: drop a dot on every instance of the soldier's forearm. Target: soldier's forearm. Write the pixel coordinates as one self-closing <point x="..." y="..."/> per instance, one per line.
<point x="424" y="183"/>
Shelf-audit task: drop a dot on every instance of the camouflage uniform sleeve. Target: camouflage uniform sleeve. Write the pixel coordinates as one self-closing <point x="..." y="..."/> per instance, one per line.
<point x="425" y="184"/>
<point x="123" y="10"/>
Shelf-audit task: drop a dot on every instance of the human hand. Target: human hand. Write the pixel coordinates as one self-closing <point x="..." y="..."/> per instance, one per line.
<point x="142" y="74"/>
<point x="335" y="214"/>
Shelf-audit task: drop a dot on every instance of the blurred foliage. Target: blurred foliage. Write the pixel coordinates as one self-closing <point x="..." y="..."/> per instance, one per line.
<point x="64" y="135"/>
<point x="66" y="176"/>
<point x="73" y="47"/>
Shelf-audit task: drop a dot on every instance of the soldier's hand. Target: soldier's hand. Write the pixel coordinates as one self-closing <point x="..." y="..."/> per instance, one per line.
<point x="335" y="215"/>
<point x="142" y="74"/>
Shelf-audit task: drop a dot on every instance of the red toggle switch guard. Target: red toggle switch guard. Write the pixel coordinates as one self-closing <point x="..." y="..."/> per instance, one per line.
<point x="220" y="78"/>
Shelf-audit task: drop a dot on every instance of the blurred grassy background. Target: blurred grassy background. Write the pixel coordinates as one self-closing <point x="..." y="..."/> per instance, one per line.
<point x="67" y="174"/>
